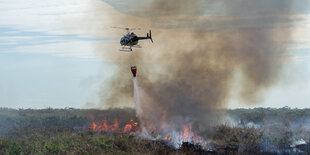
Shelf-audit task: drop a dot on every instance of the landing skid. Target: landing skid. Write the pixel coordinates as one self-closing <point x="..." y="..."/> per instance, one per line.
<point x="129" y="49"/>
<point x="125" y="50"/>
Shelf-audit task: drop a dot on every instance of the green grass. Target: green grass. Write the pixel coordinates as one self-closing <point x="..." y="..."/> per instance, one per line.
<point x="66" y="141"/>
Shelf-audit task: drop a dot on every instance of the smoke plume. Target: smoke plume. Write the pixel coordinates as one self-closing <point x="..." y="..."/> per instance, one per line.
<point x="199" y="47"/>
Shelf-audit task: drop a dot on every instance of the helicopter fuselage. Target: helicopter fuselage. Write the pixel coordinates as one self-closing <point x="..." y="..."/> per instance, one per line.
<point x="130" y="39"/>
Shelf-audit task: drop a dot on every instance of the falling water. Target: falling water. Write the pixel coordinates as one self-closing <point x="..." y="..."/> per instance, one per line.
<point x="136" y="97"/>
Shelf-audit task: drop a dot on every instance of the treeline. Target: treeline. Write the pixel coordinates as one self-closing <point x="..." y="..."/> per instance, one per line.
<point x="80" y="118"/>
<point x="261" y="115"/>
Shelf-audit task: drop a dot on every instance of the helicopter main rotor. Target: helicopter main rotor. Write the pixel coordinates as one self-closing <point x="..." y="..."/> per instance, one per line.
<point x="127" y="28"/>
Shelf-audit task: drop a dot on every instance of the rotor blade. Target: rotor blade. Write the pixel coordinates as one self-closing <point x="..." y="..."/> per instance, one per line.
<point x="126" y="28"/>
<point x="119" y="28"/>
<point x="135" y="28"/>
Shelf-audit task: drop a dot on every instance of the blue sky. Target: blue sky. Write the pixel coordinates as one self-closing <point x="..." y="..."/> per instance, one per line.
<point x="41" y="63"/>
<point x="48" y="57"/>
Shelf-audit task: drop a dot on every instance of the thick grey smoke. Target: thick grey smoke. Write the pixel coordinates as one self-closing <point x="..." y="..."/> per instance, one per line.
<point x="200" y="45"/>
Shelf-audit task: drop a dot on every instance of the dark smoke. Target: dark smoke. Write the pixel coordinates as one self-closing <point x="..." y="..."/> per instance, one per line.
<point x="200" y="45"/>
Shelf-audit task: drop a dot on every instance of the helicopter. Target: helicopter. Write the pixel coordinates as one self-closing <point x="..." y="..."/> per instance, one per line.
<point x="131" y="40"/>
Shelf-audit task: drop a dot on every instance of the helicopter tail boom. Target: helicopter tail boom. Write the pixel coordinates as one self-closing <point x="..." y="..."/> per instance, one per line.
<point x="148" y="36"/>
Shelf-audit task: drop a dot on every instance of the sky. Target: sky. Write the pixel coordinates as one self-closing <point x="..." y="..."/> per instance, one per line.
<point x="48" y="55"/>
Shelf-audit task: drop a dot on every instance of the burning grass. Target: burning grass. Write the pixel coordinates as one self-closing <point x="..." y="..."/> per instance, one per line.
<point x="118" y="131"/>
<point x="124" y="128"/>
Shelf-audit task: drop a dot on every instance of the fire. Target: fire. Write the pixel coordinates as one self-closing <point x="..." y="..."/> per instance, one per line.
<point x="186" y="132"/>
<point x="94" y="126"/>
<point x="171" y="136"/>
<point x="129" y="128"/>
<point x="104" y="126"/>
<point x="168" y="138"/>
<point x="189" y="136"/>
<point x="185" y="135"/>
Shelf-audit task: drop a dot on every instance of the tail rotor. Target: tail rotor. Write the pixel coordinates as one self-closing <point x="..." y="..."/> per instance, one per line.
<point x="149" y="35"/>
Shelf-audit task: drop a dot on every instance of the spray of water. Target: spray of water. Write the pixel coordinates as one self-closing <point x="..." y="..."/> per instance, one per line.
<point x="136" y="97"/>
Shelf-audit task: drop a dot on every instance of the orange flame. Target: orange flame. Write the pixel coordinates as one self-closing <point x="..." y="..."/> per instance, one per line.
<point x="94" y="126"/>
<point x="103" y="126"/>
<point x="127" y="128"/>
<point x="168" y="138"/>
<point x="186" y="132"/>
<point x="132" y="128"/>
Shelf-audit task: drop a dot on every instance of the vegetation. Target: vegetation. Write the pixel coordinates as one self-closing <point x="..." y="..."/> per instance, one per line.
<point x="65" y="131"/>
<point x="65" y="141"/>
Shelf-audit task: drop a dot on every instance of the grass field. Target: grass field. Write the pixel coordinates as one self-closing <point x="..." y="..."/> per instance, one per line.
<point x="65" y="131"/>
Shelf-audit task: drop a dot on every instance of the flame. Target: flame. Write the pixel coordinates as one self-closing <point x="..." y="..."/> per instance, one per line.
<point x="129" y="128"/>
<point x="94" y="126"/>
<point x="186" y="134"/>
<point x="168" y="138"/>
<point x="176" y="138"/>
